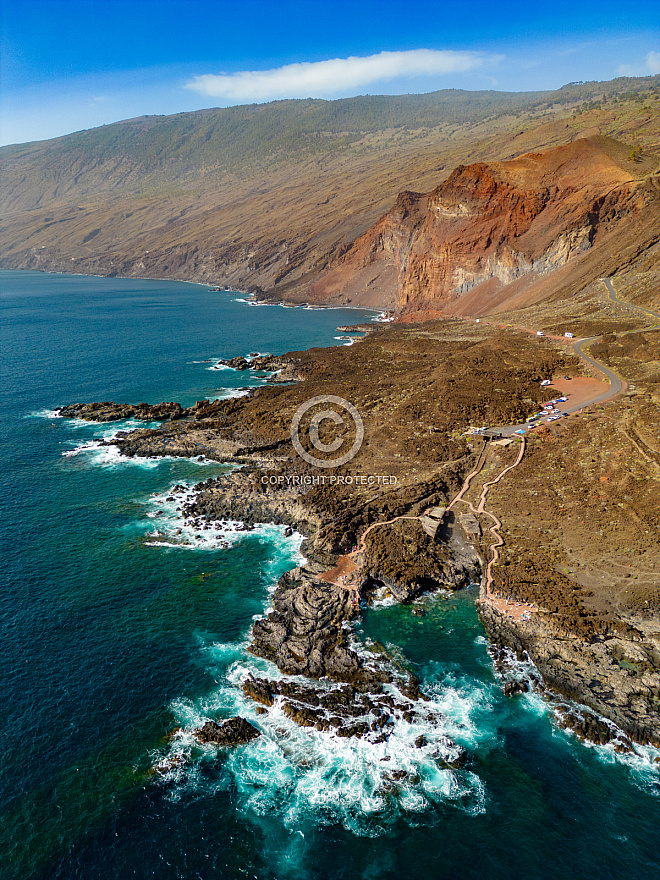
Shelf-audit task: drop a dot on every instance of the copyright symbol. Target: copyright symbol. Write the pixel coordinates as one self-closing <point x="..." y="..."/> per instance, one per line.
<point x="333" y="414"/>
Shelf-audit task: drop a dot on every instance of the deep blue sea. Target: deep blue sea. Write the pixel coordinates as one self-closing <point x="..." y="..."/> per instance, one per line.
<point x="117" y="629"/>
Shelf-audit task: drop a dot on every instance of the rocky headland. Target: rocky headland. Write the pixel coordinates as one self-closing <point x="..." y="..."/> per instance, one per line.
<point x="308" y="632"/>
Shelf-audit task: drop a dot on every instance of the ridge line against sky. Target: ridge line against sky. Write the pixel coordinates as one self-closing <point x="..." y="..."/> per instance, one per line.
<point x="74" y="64"/>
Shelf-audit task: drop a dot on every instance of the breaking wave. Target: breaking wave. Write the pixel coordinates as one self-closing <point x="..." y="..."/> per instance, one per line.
<point x="305" y="775"/>
<point x="169" y="527"/>
<point x="101" y="452"/>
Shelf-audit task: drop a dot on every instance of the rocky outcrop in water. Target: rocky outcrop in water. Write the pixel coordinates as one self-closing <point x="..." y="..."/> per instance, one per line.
<point x="307" y="634"/>
<point x="235" y="731"/>
<point x="109" y="411"/>
<point x="346" y="710"/>
<point x="257" y="362"/>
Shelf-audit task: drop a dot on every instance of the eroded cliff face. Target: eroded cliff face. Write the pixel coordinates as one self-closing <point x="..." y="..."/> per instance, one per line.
<point x="490" y="225"/>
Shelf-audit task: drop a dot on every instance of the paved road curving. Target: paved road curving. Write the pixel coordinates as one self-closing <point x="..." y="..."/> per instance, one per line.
<point x="617" y="384"/>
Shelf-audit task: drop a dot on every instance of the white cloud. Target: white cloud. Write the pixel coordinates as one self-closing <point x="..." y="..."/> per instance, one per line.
<point x="338" y="75"/>
<point x="650" y="66"/>
<point x="653" y="63"/>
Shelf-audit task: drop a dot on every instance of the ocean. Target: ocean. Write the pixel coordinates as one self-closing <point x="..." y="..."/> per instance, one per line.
<point x="118" y="630"/>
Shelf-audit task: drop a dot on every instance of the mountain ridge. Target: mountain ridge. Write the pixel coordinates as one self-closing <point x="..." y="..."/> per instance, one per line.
<point x="270" y="201"/>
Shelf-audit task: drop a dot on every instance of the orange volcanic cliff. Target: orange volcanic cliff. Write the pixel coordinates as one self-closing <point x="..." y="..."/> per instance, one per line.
<point x="503" y="234"/>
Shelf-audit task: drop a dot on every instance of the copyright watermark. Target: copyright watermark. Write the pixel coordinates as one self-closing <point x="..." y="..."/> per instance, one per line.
<point x="314" y="417"/>
<point x="289" y="480"/>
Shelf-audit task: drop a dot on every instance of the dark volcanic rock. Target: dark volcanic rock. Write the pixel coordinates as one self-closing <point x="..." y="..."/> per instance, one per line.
<point x="109" y="411"/>
<point x="515" y="687"/>
<point x="236" y="363"/>
<point x="304" y="634"/>
<point x="265" y="362"/>
<point x="259" y="690"/>
<point x="602" y="684"/>
<point x="235" y="731"/>
<point x="588" y="726"/>
<point x="410" y="563"/>
<point x="302" y="714"/>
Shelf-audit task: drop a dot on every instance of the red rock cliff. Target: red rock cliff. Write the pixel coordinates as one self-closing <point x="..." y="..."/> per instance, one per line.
<point x="486" y="236"/>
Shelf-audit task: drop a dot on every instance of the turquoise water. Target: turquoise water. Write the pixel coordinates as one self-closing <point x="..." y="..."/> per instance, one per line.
<point x="112" y="638"/>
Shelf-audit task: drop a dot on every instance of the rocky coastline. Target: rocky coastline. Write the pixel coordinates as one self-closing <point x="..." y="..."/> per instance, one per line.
<point x="348" y="688"/>
<point x="573" y="674"/>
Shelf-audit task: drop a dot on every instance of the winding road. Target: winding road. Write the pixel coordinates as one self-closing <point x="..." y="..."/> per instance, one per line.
<point x="341" y="575"/>
<point x="617" y="384"/>
<point x="612" y="295"/>
<point x="580" y="348"/>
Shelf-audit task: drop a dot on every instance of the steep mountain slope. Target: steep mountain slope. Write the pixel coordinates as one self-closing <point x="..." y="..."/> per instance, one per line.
<point x="505" y="234"/>
<point x="265" y="197"/>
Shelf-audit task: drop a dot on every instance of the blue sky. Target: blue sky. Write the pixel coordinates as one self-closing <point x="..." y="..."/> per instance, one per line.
<point x="69" y="64"/>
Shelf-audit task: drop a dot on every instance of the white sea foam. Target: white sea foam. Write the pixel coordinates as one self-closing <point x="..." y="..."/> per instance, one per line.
<point x="641" y="760"/>
<point x="220" y="367"/>
<point x="109" y="456"/>
<point x="248" y="358"/>
<point x="99" y="454"/>
<point x="228" y="393"/>
<point x="168" y="527"/>
<point x="45" y="414"/>
<point x="298" y="776"/>
<point x="303" y="775"/>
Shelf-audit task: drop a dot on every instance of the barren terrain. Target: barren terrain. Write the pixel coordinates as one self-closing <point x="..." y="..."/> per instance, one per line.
<point x="580" y="514"/>
<point x="264" y="198"/>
